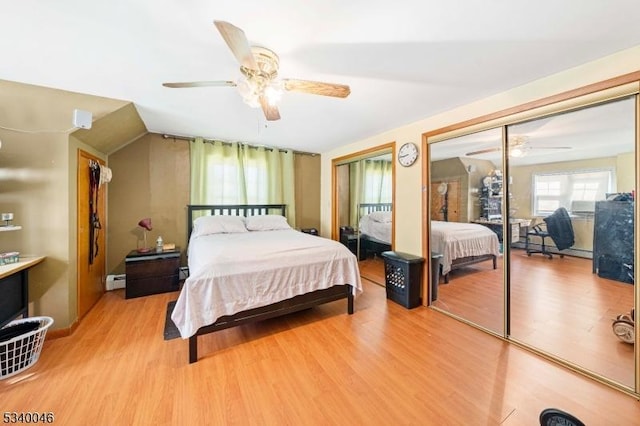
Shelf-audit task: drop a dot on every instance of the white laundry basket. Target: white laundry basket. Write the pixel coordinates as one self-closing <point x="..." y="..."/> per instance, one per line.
<point x="22" y="351"/>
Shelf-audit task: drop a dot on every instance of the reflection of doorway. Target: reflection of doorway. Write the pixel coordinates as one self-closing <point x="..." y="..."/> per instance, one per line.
<point x="445" y="206"/>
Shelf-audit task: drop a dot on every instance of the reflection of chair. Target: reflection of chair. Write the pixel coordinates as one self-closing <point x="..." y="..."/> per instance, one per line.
<point x="558" y="227"/>
<point x="553" y="416"/>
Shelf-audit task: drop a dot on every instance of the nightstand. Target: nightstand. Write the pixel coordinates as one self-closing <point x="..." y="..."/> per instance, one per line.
<point x="152" y="272"/>
<point x="312" y="231"/>
<point x="351" y="241"/>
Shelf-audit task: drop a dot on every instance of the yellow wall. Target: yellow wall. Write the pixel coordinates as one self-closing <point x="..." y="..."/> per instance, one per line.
<point x="38" y="185"/>
<point x="408" y="190"/>
<point x="625" y="172"/>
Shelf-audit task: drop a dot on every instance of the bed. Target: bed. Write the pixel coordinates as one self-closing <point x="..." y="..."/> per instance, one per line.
<point x="375" y="228"/>
<point x="265" y="270"/>
<point x="463" y="244"/>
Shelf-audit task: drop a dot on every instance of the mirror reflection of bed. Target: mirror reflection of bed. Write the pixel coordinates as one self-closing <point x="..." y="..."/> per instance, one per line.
<point x="561" y="302"/>
<point x="364" y="208"/>
<point x="375" y="226"/>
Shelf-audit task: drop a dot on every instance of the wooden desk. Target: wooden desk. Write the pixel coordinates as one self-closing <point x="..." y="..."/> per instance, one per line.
<point x="14" y="288"/>
<point x="496" y="226"/>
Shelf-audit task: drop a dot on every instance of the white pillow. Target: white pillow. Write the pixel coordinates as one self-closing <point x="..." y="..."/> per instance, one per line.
<point x="381" y="216"/>
<point x="206" y="225"/>
<point x="268" y="222"/>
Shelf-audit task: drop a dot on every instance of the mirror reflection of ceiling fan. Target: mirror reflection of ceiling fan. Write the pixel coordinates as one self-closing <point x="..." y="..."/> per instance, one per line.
<point x="518" y="147"/>
<point x="259" y="85"/>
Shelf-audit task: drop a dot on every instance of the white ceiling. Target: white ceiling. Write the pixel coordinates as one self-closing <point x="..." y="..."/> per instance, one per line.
<point x="404" y="60"/>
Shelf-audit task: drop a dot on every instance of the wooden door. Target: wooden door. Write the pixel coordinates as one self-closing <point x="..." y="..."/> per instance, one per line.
<point x="450" y="201"/>
<point x="91" y="269"/>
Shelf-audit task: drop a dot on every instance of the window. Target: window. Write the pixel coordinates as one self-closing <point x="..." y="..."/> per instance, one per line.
<point x="376" y="184"/>
<point x="233" y="173"/>
<point x="577" y="191"/>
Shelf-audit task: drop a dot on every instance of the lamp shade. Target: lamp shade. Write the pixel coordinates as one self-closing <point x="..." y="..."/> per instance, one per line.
<point x="146" y="224"/>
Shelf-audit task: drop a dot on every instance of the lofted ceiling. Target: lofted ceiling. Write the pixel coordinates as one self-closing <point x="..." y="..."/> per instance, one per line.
<point x="403" y="61"/>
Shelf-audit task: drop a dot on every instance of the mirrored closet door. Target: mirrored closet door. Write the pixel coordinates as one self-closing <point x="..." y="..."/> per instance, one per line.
<point x="466" y="227"/>
<point x="364" y="208"/>
<point x="556" y="185"/>
<point x="572" y="268"/>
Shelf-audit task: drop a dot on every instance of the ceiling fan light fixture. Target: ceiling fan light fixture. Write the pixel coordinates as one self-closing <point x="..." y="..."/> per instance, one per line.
<point x="518" y="146"/>
<point x="259" y="85"/>
<point x="517" y="152"/>
<point x="273" y="92"/>
<point x="249" y="91"/>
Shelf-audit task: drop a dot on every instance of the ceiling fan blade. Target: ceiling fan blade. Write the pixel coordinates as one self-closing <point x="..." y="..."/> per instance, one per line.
<point x="238" y="43"/>
<point x="483" y="151"/>
<point x="199" y="84"/>
<point x="270" y="111"/>
<point x="317" y="88"/>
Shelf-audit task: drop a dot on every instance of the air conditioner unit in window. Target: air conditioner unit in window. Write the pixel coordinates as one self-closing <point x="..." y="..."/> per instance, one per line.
<point x="583" y="206"/>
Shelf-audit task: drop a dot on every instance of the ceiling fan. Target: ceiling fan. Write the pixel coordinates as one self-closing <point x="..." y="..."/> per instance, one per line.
<point x="259" y="85"/>
<point x="518" y="147"/>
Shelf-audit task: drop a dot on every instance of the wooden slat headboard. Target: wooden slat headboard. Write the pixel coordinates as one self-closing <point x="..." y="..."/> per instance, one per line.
<point x="231" y="210"/>
<point x="366" y="208"/>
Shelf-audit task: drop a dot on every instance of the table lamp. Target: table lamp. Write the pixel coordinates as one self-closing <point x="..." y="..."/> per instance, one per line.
<point x="145" y="224"/>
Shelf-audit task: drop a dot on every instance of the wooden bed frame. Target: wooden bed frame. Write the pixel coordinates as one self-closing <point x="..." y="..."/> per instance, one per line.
<point x="297" y="303"/>
<point x="368" y="244"/>
<point x="461" y="262"/>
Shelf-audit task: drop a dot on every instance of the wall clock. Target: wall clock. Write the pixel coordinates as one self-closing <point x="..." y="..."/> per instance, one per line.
<point x="408" y="154"/>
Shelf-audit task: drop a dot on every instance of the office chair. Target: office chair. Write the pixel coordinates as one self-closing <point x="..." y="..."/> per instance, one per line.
<point x="554" y="416"/>
<point x="556" y="226"/>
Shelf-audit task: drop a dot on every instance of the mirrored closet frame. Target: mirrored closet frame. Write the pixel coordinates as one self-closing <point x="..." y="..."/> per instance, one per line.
<point x="614" y="88"/>
<point x="356" y="156"/>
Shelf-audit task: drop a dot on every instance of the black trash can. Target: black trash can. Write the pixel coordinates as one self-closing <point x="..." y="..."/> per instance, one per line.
<point x="403" y="277"/>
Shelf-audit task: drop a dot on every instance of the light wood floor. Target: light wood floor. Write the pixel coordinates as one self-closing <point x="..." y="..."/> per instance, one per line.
<point x="383" y="365"/>
<point x="372" y="269"/>
<point x="558" y="306"/>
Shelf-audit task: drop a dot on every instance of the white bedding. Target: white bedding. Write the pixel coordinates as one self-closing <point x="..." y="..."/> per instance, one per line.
<point x="229" y="273"/>
<point x="455" y="240"/>
<point x="381" y="231"/>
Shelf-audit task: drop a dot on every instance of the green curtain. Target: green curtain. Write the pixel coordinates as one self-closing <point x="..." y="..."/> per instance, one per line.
<point x="233" y="173"/>
<point x="369" y="182"/>
<point x="355" y="191"/>
<point x="376" y="177"/>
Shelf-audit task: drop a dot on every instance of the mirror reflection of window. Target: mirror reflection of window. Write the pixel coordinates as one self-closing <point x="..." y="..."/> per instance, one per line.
<point x="373" y="210"/>
<point x="364" y="209"/>
<point x="559" y="191"/>
<point x="580" y="162"/>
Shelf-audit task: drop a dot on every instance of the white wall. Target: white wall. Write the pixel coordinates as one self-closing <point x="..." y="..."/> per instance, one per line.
<point x="408" y="208"/>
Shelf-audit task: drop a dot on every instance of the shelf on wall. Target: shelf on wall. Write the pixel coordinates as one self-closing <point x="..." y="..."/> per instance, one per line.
<point x="10" y="228"/>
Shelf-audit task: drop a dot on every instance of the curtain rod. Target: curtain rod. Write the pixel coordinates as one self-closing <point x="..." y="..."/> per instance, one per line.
<point x="185" y="138"/>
